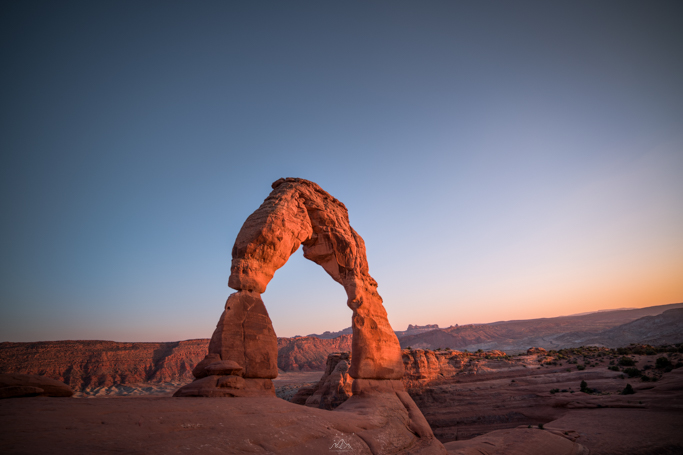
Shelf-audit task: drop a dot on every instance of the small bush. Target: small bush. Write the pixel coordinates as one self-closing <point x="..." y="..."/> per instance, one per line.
<point x="662" y="362"/>
<point x="633" y="372"/>
<point x="627" y="362"/>
<point x="554" y="391"/>
<point x="613" y="368"/>
<point x="628" y="390"/>
<point x="645" y="378"/>
<point x="583" y="387"/>
<point x="540" y="426"/>
<point x="580" y="367"/>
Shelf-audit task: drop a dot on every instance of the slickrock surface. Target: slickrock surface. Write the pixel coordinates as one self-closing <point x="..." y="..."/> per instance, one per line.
<point x="519" y="441"/>
<point x="378" y="424"/>
<point x="26" y="385"/>
<point x="466" y="395"/>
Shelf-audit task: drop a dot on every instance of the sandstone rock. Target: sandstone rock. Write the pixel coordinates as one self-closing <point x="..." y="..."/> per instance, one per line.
<point x="536" y="351"/>
<point x="299" y="212"/>
<point x="234" y="382"/>
<point x="518" y="441"/>
<point x="17" y="391"/>
<point x="227" y="386"/>
<point x="308" y="353"/>
<point x="17" y="385"/>
<point x="199" y="371"/>
<point x="335" y="386"/>
<point x="225" y="367"/>
<point x="245" y="335"/>
<point x="87" y="364"/>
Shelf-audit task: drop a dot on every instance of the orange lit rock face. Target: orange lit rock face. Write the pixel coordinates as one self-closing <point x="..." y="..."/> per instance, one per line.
<point x="298" y="212"/>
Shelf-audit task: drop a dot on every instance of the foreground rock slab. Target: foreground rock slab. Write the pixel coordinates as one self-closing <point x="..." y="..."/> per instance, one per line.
<point x="206" y="426"/>
<point x="518" y="441"/>
<point x="30" y="385"/>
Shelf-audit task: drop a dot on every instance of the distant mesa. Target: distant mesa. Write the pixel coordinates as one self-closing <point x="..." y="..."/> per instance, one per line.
<point x="419" y="327"/>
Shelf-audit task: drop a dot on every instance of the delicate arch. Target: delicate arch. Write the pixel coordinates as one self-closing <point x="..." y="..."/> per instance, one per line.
<point x="299" y="212"/>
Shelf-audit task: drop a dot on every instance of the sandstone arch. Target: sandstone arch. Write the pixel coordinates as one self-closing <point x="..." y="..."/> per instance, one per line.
<point x="243" y="347"/>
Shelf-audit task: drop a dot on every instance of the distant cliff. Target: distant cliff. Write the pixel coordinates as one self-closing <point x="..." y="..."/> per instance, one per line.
<point x="91" y="364"/>
<point x="308" y="353"/>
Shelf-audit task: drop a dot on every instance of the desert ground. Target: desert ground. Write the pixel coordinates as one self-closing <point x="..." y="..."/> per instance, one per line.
<point x="531" y="403"/>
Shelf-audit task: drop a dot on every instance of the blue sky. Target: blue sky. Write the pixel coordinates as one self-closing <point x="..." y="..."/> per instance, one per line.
<point x="501" y="160"/>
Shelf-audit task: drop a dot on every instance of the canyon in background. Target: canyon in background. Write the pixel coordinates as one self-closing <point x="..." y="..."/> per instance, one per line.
<point x="108" y="367"/>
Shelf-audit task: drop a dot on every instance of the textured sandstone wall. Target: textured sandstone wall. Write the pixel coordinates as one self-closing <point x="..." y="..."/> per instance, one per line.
<point x="91" y="364"/>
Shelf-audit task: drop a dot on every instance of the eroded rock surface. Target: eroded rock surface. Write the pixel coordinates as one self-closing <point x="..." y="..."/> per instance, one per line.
<point x="297" y="212"/>
<point x="29" y="385"/>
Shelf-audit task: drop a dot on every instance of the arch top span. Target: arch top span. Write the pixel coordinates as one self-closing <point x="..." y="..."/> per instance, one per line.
<point x="299" y="212"/>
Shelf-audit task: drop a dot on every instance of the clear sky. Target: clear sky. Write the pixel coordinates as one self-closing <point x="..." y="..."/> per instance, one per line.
<point x="502" y="160"/>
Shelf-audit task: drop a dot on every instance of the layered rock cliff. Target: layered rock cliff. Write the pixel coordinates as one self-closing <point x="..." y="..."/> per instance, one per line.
<point x="85" y="365"/>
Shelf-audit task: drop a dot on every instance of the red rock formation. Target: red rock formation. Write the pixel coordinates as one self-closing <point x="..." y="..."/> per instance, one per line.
<point x="28" y="385"/>
<point x="297" y="212"/>
<point x="308" y="353"/>
<point x="88" y="365"/>
<point x="91" y="364"/>
<point x="334" y="387"/>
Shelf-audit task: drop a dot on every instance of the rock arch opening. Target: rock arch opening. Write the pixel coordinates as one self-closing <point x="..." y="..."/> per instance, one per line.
<point x="242" y="356"/>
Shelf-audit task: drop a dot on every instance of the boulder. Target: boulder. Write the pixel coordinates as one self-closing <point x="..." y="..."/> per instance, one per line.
<point x="26" y="385"/>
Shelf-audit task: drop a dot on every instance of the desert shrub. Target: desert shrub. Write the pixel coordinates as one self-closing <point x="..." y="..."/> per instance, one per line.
<point x="554" y="391"/>
<point x="628" y="390"/>
<point x="627" y="362"/>
<point x="583" y="387"/>
<point x="447" y="349"/>
<point x="645" y="378"/>
<point x="611" y="362"/>
<point x="632" y="372"/>
<point x="564" y="390"/>
<point x="650" y="351"/>
<point x="678" y="365"/>
<point x="662" y="362"/>
<point x="613" y="368"/>
<point x="580" y="367"/>
<point x="409" y="348"/>
<point x="540" y="426"/>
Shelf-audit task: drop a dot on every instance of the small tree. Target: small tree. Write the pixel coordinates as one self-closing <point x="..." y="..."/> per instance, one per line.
<point x="662" y="362"/>
<point x="627" y="362"/>
<point x="628" y="390"/>
<point x="584" y="387"/>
